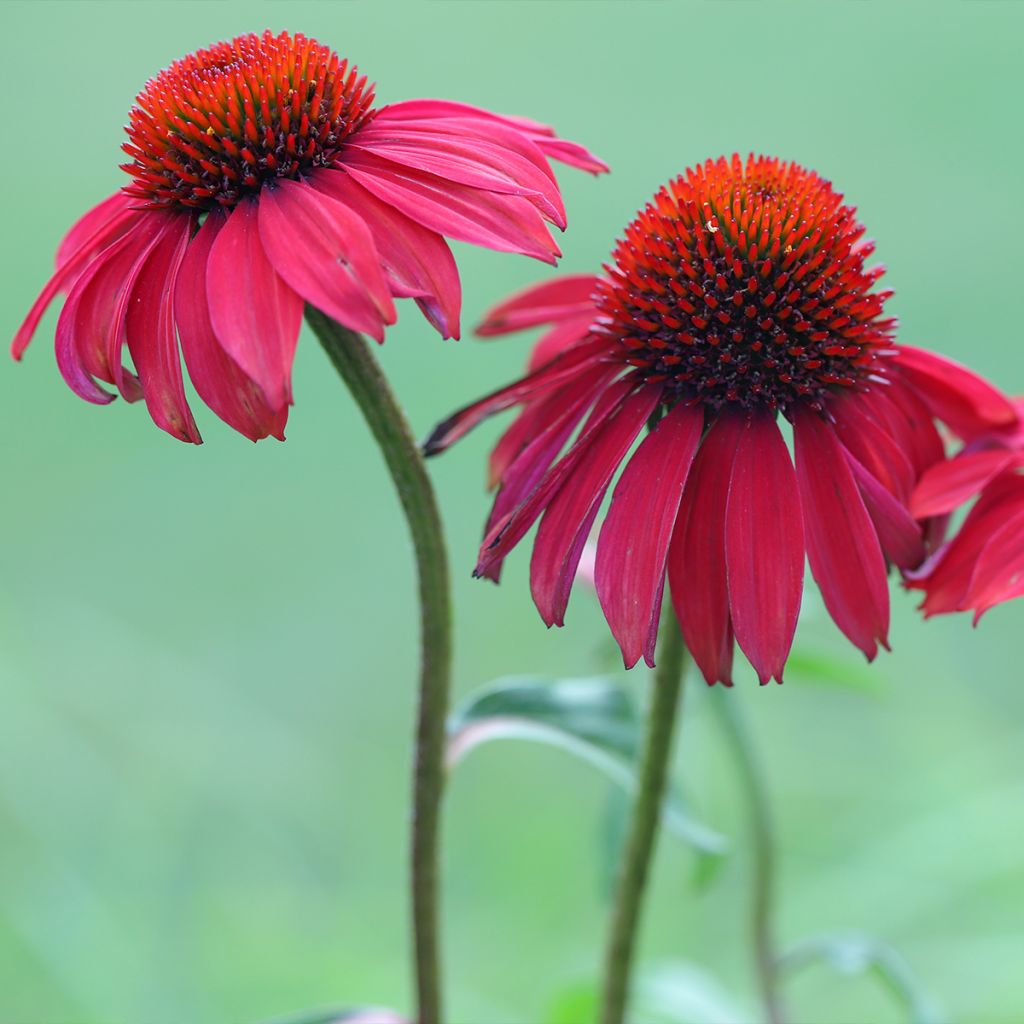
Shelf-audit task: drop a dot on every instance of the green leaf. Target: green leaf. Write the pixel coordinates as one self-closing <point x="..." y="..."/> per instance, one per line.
<point x="683" y="993"/>
<point x="856" y="954"/>
<point x="593" y="719"/>
<point x="820" y="669"/>
<point x="575" y="1005"/>
<point x="345" y="1015"/>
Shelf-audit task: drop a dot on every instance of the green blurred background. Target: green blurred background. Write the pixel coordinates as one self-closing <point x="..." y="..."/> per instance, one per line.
<point x="207" y="655"/>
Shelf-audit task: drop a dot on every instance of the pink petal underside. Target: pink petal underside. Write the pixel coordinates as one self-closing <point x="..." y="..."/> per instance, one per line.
<point x="543" y="135"/>
<point x="507" y="531"/>
<point x="962" y="399"/>
<point x="325" y="252"/>
<point x="568" y="519"/>
<point x="90" y="329"/>
<point x="68" y="270"/>
<point x="633" y="545"/>
<point x="899" y="534"/>
<point x="255" y="315"/>
<point x="870" y="442"/>
<point x="504" y="223"/>
<point x="908" y="420"/>
<point x="558" y="340"/>
<point x="479" y="155"/>
<point x="416" y="261"/>
<point x="97" y="227"/>
<point x="696" y="556"/>
<point x="235" y="398"/>
<point x="149" y="329"/>
<point x="764" y="547"/>
<point x="947" y="576"/>
<point x="948" y="485"/>
<point x="999" y="573"/>
<point x="557" y="371"/>
<point x="842" y="545"/>
<point x="568" y="296"/>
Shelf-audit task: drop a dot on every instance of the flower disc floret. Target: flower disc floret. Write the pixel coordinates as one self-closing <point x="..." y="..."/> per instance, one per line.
<point x="214" y="126"/>
<point x="744" y="283"/>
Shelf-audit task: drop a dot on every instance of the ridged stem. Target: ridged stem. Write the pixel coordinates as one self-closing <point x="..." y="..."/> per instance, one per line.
<point x="643" y="826"/>
<point x="355" y="362"/>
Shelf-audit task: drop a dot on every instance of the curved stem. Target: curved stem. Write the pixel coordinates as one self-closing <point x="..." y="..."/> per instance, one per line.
<point x="643" y="826"/>
<point x="354" y="361"/>
<point x="763" y="842"/>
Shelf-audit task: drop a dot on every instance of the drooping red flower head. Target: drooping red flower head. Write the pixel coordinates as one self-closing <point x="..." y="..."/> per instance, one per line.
<point x="983" y="565"/>
<point x="739" y="294"/>
<point x="262" y="178"/>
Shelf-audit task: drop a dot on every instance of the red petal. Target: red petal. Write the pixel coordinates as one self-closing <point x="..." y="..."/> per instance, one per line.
<point x="504" y="223"/>
<point x="842" y="545"/>
<point x="506" y="532"/>
<point x="558" y="340"/>
<point x="948" y="485"/>
<point x="554" y="373"/>
<point x="543" y="135"/>
<point x="568" y="519"/>
<point x="220" y="383"/>
<point x="871" y="443"/>
<point x="416" y="261"/>
<point x="903" y="413"/>
<point x="999" y="573"/>
<point x="696" y="556"/>
<point x="97" y="228"/>
<point x="966" y="402"/>
<point x="74" y="260"/>
<point x="898" y="533"/>
<point x="633" y="546"/>
<point x="325" y="252"/>
<point x="764" y="547"/>
<point x="483" y="156"/>
<point x="149" y="328"/>
<point x="255" y="315"/>
<point x="570" y="295"/>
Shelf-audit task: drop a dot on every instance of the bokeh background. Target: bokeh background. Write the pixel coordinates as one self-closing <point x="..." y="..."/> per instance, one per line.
<point x="207" y="655"/>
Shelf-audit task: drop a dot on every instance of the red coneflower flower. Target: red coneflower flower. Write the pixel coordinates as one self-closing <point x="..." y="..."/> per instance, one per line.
<point x="983" y="565"/>
<point x="262" y="177"/>
<point x="740" y="293"/>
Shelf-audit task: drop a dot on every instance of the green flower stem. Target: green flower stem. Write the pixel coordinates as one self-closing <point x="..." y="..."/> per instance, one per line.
<point x="643" y="826"/>
<point x="354" y="361"/>
<point x="763" y="854"/>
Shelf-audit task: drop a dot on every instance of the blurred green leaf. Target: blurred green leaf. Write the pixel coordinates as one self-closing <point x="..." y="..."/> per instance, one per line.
<point x="347" y="1015"/>
<point x="683" y="993"/>
<point x="593" y="719"/>
<point x="854" y="954"/>
<point x="575" y="1005"/>
<point x="828" y="670"/>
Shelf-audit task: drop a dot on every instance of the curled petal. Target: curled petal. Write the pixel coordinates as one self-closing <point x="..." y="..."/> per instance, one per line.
<point x="948" y="485"/>
<point x="325" y="252"/>
<point x="416" y="261"/>
<point x="999" y="573"/>
<point x="233" y="396"/>
<point x="149" y="329"/>
<point x="501" y="222"/>
<point x="899" y="535"/>
<point x="255" y="315"/>
<point x="97" y="228"/>
<point x="962" y="399"/>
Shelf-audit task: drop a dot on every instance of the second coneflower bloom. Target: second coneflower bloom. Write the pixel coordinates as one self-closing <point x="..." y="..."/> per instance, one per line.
<point x="262" y="177"/>
<point x="738" y="301"/>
